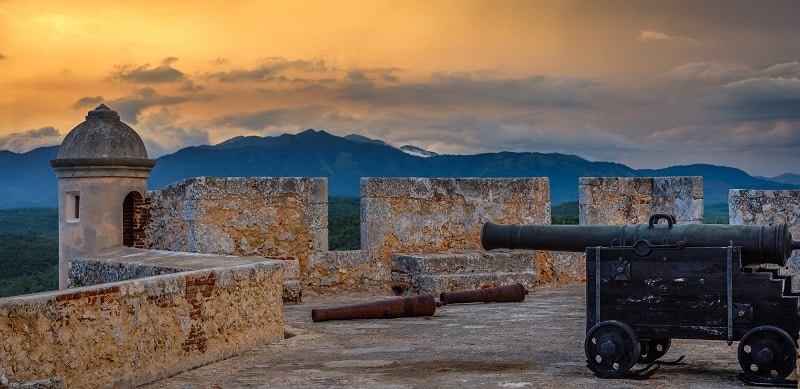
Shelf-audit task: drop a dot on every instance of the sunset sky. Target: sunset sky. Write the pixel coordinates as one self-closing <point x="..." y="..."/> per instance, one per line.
<point x="646" y="83"/>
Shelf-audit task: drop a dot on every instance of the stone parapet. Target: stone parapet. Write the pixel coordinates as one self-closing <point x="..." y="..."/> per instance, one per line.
<point x="769" y="207"/>
<point x="441" y="215"/>
<point x="334" y="271"/>
<point x="261" y="216"/>
<point x="127" y="263"/>
<point x="125" y="334"/>
<point x="416" y="215"/>
<point x="631" y="200"/>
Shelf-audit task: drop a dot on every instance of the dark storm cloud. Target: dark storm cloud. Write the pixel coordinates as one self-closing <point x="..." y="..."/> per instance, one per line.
<point x="761" y="98"/>
<point x="24" y="141"/>
<point x="260" y="120"/>
<point x="190" y="86"/>
<point x="366" y="75"/>
<point x="738" y="92"/>
<point x="145" y="74"/>
<point x="271" y="69"/>
<point x="130" y="107"/>
<point x="467" y="91"/>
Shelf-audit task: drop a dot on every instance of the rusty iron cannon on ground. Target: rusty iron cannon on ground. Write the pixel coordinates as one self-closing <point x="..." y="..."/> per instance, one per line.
<point x="412" y="306"/>
<point x="650" y="283"/>
<point x="421" y="305"/>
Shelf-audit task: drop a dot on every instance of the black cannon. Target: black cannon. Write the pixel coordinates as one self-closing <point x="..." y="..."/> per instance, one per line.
<point x="647" y="284"/>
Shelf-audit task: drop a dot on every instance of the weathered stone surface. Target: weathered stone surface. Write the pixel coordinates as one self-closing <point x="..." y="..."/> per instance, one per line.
<point x="127" y="263"/>
<point x="465" y="262"/>
<point x="439" y="272"/>
<point x="128" y="333"/>
<point x="769" y="207"/>
<point x="436" y="284"/>
<point x="259" y="216"/>
<point x="631" y="200"/>
<point x="445" y="214"/>
<point x="334" y="271"/>
<point x="440" y="215"/>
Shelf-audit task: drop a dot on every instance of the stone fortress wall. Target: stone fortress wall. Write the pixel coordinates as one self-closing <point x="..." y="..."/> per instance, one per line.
<point x="769" y="207"/>
<point x="286" y="218"/>
<point x="129" y="333"/>
<point x="631" y="200"/>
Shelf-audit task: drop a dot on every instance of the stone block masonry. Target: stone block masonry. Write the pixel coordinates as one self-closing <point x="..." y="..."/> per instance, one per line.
<point x="631" y="200"/>
<point x="340" y="271"/>
<point x="427" y="215"/>
<point x="284" y="217"/>
<point x="769" y="207"/>
<point x="125" y="334"/>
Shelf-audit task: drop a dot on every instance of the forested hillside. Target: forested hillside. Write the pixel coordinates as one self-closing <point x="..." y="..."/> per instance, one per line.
<point x="28" y="251"/>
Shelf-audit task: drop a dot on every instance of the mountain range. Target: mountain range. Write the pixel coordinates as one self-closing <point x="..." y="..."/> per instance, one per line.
<point x="29" y="181"/>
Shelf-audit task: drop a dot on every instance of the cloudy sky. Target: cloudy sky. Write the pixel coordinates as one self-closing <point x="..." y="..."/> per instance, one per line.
<point x="645" y="83"/>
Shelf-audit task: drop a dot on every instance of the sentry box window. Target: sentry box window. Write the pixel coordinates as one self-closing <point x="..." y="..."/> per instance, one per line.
<point x="73" y="207"/>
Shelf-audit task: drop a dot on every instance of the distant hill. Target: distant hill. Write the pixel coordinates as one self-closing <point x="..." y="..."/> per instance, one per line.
<point x="30" y="182"/>
<point x="788" y="178"/>
<point x="27" y="179"/>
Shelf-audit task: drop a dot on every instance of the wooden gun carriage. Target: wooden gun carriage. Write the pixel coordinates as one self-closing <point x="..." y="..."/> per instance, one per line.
<point x="651" y="283"/>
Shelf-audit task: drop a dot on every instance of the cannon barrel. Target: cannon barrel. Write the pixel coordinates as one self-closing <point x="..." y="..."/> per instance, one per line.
<point x="422" y="305"/>
<point x="498" y="294"/>
<point x="760" y="243"/>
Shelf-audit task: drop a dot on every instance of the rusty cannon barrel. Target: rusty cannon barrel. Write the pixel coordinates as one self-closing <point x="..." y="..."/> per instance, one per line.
<point x="760" y="243"/>
<point x="498" y="294"/>
<point x="422" y="305"/>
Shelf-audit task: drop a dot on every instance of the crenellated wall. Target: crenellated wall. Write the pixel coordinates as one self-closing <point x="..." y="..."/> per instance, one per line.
<point x="125" y="334"/>
<point x="237" y="216"/>
<point x="209" y="307"/>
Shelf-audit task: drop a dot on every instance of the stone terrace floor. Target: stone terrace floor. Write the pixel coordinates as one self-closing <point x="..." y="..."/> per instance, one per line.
<point x="534" y="344"/>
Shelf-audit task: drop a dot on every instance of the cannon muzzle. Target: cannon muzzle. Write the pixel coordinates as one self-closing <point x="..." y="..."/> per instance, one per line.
<point x="422" y="305"/>
<point x="760" y="243"/>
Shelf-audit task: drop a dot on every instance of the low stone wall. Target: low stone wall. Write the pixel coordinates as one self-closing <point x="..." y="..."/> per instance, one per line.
<point x="336" y="271"/>
<point x="129" y="333"/>
<point x="436" y="215"/>
<point x="259" y="216"/>
<point x="769" y="207"/>
<point x="631" y="200"/>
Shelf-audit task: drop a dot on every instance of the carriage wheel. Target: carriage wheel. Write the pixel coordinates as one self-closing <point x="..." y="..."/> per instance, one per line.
<point x="612" y="348"/>
<point x="652" y="349"/>
<point x="767" y="354"/>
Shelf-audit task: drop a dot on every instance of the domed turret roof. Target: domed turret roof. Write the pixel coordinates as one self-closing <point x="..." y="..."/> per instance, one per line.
<point x="102" y="135"/>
